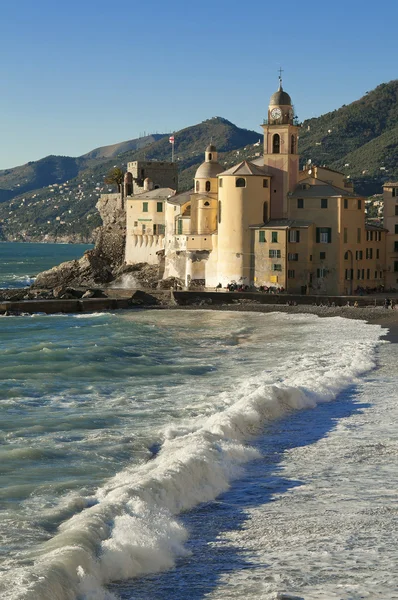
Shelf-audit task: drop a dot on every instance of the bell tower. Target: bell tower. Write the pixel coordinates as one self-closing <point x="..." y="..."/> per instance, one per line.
<point x="280" y="150"/>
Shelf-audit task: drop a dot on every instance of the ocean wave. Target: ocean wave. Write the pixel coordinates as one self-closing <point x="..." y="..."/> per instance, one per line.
<point x="132" y="526"/>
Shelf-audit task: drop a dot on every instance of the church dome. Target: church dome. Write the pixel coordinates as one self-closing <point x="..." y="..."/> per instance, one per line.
<point x="211" y="148"/>
<point x="280" y="98"/>
<point x="208" y="170"/>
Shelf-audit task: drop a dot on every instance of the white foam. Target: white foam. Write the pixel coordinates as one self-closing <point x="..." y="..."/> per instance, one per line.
<point x="134" y="528"/>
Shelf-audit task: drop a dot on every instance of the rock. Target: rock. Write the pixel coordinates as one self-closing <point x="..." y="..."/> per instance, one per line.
<point x="171" y="282"/>
<point x="94" y="294"/>
<point x="88" y="271"/>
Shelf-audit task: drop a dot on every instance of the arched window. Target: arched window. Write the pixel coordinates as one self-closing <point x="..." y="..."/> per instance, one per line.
<point x="265" y="212"/>
<point x="240" y="182"/>
<point x="208" y="185"/>
<point x="276" y="144"/>
<point x="210" y="156"/>
<point x="346" y="256"/>
<point x="206" y="204"/>
<point x="292" y="145"/>
<point x="197" y="186"/>
<point x="219" y="211"/>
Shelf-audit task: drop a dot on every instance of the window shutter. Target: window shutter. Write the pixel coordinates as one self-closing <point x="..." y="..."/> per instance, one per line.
<point x="329" y="235"/>
<point x="318" y="235"/>
<point x="298" y="235"/>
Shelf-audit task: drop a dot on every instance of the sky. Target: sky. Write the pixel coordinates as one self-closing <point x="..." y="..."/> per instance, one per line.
<point x="80" y="74"/>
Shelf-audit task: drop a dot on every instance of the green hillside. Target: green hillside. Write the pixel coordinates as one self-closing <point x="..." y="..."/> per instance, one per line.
<point x="65" y="207"/>
<point x="56" y="195"/>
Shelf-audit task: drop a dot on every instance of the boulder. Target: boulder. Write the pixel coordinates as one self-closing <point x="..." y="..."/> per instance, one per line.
<point x="88" y="271"/>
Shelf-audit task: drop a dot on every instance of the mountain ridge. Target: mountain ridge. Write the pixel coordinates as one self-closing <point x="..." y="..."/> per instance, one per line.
<point x="55" y="197"/>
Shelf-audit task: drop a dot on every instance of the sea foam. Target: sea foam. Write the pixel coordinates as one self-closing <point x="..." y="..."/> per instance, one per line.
<point x="132" y="528"/>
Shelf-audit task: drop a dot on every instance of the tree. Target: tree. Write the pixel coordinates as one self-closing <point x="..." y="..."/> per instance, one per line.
<point x="116" y="177"/>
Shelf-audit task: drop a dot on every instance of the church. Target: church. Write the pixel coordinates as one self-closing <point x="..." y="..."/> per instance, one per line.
<point x="261" y="223"/>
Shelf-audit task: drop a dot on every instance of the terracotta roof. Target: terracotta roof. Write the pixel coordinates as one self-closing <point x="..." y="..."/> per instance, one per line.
<point x="246" y="168"/>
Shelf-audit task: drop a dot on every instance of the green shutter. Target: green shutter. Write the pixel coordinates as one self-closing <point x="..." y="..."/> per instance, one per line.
<point x="179" y="226"/>
<point x="261" y="236"/>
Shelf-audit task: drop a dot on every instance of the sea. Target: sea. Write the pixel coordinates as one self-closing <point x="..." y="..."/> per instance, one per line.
<point x="195" y="454"/>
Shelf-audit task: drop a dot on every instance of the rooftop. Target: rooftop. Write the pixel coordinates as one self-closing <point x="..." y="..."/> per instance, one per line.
<point x="246" y="168"/>
<point x="282" y="224"/>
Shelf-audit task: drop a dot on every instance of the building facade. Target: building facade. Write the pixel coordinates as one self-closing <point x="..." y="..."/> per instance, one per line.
<point x="263" y="223"/>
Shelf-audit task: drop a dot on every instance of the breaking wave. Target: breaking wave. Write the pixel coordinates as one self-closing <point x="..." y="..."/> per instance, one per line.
<point x="131" y="527"/>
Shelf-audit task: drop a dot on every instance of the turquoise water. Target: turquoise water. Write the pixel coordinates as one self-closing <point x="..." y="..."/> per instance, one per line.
<point x="174" y="454"/>
<point x="20" y="263"/>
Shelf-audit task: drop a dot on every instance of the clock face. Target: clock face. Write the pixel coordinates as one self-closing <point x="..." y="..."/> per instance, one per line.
<point x="276" y="113"/>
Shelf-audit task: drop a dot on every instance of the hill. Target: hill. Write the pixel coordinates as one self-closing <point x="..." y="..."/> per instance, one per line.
<point x="64" y="208"/>
<point x="360" y="139"/>
<point x="55" y="197"/>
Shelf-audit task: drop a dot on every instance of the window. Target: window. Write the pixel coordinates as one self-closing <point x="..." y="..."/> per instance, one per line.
<point x="290" y="274"/>
<point x="197" y="186"/>
<point x="321" y="273"/>
<point x="261" y="236"/>
<point x="375" y="274"/>
<point x="359" y="204"/>
<point x="323" y="235"/>
<point x="396" y="229"/>
<point x="159" y="206"/>
<point x="292" y="145"/>
<point x="300" y="202"/>
<point x="274" y="254"/>
<point x="265" y="183"/>
<point x="240" y="182"/>
<point x="359" y="254"/>
<point x="369" y="253"/>
<point x="206" y="203"/>
<point x="265" y="212"/>
<point x="346" y="256"/>
<point x="345" y="235"/>
<point x="359" y="235"/>
<point x="394" y="192"/>
<point x="208" y="186"/>
<point x="322" y="255"/>
<point x="396" y="210"/>
<point x="369" y="236"/>
<point x="161" y="229"/>
<point x="145" y="207"/>
<point x="210" y="156"/>
<point x="277" y="267"/>
<point x="219" y="211"/>
<point x="396" y="266"/>
<point x="276" y="142"/>
<point x="368" y="274"/>
<point x="359" y="274"/>
<point x="292" y="256"/>
<point x="395" y="246"/>
<point x="143" y="228"/>
<point x="345" y="203"/>
<point x="381" y="274"/>
<point x="135" y="223"/>
<point x="274" y="237"/>
<point x="310" y="257"/>
<point x="220" y="182"/>
<point x="377" y="253"/>
<point x="294" y="235"/>
<point x="324" y="203"/>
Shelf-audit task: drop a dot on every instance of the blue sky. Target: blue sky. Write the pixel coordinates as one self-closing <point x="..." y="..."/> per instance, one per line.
<point x="81" y="74"/>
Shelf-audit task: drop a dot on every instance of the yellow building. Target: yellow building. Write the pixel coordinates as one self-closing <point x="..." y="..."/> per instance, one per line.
<point x="265" y="223"/>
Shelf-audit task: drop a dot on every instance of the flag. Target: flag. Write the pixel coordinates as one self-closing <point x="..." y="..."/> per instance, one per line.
<point x="171" y="139"/>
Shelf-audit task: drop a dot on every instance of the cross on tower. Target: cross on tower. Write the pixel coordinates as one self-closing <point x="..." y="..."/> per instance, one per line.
<point x="280" y="75"/>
